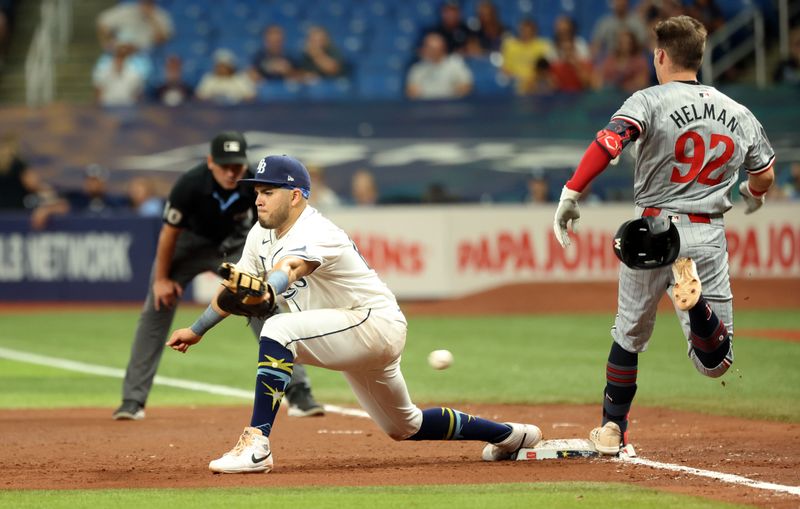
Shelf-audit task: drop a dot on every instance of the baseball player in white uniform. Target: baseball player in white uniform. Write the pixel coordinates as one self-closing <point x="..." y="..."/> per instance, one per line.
<point x="690" y="141"/>
<point x="343" y="317"/>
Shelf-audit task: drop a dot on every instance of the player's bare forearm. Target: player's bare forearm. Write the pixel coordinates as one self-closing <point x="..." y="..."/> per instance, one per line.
<point x="295" y="267"/>
<point x="761" y="182"/>
<point x="165" y="291"/>
<point x="167" y="240"/>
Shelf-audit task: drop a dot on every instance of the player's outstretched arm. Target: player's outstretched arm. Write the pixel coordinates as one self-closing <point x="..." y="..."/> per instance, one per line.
<point x="607" y="145"/>
<point x="182" y="339"/>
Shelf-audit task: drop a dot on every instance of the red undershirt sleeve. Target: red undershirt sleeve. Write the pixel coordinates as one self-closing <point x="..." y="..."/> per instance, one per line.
<point x="593" y="162"/>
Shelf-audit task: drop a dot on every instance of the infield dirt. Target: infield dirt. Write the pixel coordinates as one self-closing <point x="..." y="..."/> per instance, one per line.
<point x="171" y="448"/>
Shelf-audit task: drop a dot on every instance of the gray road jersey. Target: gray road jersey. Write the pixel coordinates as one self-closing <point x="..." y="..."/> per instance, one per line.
<point x="693" y="141"/>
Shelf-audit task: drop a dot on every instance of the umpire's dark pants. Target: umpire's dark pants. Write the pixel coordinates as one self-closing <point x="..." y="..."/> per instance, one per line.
<point x="193" y="255"/>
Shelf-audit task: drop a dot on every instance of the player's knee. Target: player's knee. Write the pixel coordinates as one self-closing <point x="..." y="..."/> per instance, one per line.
<point x="407" y="427"/>
<point x="713" y="364"/>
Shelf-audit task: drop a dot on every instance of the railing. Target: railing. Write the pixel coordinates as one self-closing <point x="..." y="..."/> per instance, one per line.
<point x="49" y="43"/>
<point x="786" y="13"/>
<point x="736" y="53"/>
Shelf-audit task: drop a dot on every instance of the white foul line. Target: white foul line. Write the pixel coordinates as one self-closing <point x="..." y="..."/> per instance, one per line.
<point x="729" y="478"/>
<point x="94" y="369"/>
<point x="223" y="390"/>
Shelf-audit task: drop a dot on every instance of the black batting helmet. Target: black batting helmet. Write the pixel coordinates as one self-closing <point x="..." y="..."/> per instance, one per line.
<point x="647" y="242"/>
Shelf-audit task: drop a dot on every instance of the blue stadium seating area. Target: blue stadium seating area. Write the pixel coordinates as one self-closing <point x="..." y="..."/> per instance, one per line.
<point x="377" y="37"/>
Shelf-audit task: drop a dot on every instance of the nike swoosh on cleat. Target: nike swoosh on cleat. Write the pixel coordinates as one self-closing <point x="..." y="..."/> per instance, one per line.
<point x="259" y="460"/>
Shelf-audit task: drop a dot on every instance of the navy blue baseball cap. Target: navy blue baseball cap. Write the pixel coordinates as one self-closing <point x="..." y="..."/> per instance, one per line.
<point x="282" y="171"/>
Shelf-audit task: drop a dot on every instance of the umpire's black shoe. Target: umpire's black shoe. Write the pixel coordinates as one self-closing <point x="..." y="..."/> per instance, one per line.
<point x="302" y="404"/>
<point x="129" y="410"/>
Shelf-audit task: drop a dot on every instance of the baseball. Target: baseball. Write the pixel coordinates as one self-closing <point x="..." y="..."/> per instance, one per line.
<point x="440" y="359"/>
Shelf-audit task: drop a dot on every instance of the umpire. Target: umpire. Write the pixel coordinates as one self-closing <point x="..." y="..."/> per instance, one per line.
<point x="206" y="221"/>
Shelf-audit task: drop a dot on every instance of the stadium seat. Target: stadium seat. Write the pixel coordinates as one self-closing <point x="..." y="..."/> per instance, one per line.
<point x="487" y="80"/>
<point x="279" y="91"/>
<point x="329" y="89"/>
<point x="379" y="85"/>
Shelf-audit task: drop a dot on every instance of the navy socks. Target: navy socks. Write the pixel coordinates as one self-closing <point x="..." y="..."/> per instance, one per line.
<point x="708" y="335"/>
<point x="444" y="423"/>
<point x="275" y="365"/>
<point x="621" y="371"/>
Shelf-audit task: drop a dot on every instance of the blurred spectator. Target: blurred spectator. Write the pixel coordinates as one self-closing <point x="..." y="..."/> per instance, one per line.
<point x="438" y="75"/>
<point x="521" y="55"/>
<point x="542" y="82"/>
<point x="451" y="26"/>
<point x="486" y="29"/>
<point x="788" y="71"/>
<point x="148" y="23"/>
<point x="20" y="187"/>
<point x="322" y="197"/>
<point x="625" y="68"/>
<point x="570" y="73"/>
<point x="320" y="58"/>
<point x="606" y="32"/>
<point x="565" y="29"/>
<point x="436" y="193"/>
<point x="363" y="188"/>
<point x="143" y="198"/>
<point x="173" y="91"/>
<point x="224" y="84"/>
<point x="119" y="78"/>
<point x="92" y="199"/>
<point x="706" y="12"/>
<point x="538" y="188"/>
<point x="791" y="189"/>
<point x="653" y="11"/>
<point x="124" y="42"/>
<point x="271" y="61"/>
<point x="6" y="16"/>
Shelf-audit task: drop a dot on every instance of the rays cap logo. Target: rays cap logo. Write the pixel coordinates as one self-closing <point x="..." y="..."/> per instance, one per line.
<point x="229" y="147"/>
<point x="282" y="171"/>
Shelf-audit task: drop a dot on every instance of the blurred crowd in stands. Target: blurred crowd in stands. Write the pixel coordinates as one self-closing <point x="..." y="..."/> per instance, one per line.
<point x="6" y="17"/>
<point x="23" y="190"/>
<point x="171" y="52"/>
<point x="175" y="51"/>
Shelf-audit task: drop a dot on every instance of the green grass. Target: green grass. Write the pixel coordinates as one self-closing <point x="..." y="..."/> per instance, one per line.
<point x="518" y="359"/>
<point x="523" y="495"/>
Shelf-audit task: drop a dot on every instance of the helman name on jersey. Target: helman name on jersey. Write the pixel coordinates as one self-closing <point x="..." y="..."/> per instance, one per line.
<point x="689" y="113"/>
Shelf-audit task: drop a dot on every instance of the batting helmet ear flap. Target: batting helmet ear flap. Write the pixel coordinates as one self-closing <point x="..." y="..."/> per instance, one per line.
<point x="647" y="242"/>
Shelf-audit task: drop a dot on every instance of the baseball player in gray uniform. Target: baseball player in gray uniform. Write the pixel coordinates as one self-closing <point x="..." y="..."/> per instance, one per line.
<point x="343" y="318"/>
<point x="690" y="141"/>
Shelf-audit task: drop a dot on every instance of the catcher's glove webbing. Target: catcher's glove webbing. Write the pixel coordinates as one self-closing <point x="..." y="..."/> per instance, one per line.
<point x="245" y="294"/>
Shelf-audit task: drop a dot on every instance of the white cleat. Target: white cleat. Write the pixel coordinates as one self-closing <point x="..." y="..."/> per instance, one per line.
<point x="251" y="454"/>
<point x="607" y="439"/>
<point x="686" y="289"/>
<point x="522" y="436"/>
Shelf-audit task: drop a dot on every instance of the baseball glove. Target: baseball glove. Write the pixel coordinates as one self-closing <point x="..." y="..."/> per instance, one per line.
<point x="245" y="294"/>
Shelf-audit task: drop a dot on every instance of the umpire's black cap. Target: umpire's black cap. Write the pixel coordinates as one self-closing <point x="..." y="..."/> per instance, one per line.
<point x="229" y="147"/>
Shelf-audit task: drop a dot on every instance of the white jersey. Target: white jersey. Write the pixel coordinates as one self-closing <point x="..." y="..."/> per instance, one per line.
<point x="693" y="140"/>
<point x="343" y="279"/>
